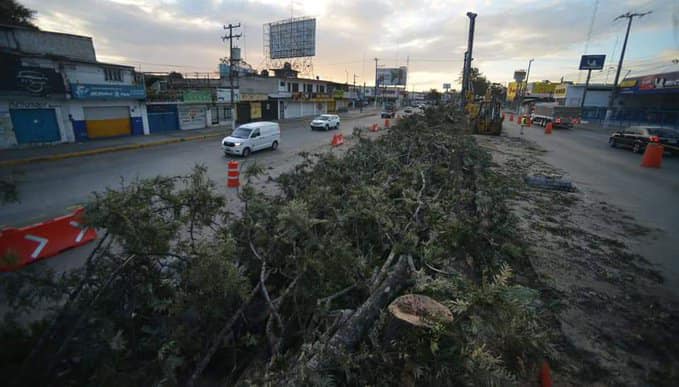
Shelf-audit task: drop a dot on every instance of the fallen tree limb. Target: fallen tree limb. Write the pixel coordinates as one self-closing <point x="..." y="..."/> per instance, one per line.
<point x="352" y="331"/>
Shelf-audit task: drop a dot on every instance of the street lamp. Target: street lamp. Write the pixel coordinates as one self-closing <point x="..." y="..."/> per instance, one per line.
<point x="524" y="89"/>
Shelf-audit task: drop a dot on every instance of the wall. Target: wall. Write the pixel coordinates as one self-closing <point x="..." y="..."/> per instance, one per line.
<point x="258" y="85"/>
<point x="594" y="98"/>
<point x="94" y="74"/>
<point x="43" y="42"/>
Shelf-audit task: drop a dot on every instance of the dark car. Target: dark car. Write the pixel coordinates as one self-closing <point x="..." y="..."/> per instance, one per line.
<point x="637" y="137"/>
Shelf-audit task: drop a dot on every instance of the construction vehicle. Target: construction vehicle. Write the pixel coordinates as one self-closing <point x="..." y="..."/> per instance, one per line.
<point x="559" y="116"/>
<point x="484" y="116"/>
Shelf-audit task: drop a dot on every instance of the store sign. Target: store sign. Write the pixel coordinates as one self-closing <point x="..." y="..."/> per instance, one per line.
<point x="560" y="91"/>
<point x="27" y="80"/>
<point x="512" y="88"/>
<point x="90" y="91"/>
<point x="592" y="62"/>
<point x="255" y="110"/>
<point x="543" y="88"/>
<point x="197" y="96"/>
<point x="651" y="84"/>
<point x="253" y="97"/>
<point x="224" y="95"/>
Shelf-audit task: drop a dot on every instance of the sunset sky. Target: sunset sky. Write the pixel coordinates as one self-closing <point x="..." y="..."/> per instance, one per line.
<point x="184" y="35"/>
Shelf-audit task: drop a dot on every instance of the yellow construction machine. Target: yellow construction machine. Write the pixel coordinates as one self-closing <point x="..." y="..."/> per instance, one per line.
<point x="484" y="116"/>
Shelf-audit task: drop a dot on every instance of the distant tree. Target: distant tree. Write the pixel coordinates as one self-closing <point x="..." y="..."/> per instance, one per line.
<point x="13" y="13"/>
<point x="479" y="82"/>
<point x="434" y="96"/>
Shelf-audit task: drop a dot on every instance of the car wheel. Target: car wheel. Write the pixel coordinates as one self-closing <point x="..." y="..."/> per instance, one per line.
<point x="246" y="152"/>
<point x="612" y="143"/>
<point x="636" y="148"/>
<point x="274" y="146"/>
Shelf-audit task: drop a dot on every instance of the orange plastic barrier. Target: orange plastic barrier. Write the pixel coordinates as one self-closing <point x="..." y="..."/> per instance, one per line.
<point x="511" y="118"/>
<point x="337" y="139"/>
<point x="233" y="181"/>
<point x="548" y="128"/>
<point x="23" y="246"/>
<point x="529" y="122"/>
<point x="374" y="128"/>
<point x="653" y="155"/>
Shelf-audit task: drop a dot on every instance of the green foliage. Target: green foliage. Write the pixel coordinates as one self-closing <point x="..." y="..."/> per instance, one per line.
<point x="13" y="13"/>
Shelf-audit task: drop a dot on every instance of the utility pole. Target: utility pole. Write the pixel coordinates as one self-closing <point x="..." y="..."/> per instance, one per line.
<point x="355" y="93"/>
<point x="377" y="82"/>
<point x="614" y="92"/>
<point x="230" y="37"/>
<point x="468" y="57"/>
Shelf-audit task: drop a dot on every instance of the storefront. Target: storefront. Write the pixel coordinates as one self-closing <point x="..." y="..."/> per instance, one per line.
<point x="162" y="117"/>
<point x="103" y="111"/>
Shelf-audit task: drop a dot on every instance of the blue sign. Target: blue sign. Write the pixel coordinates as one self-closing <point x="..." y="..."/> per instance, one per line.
<point x="89" y="91"/>
<point x="592" y="62"/>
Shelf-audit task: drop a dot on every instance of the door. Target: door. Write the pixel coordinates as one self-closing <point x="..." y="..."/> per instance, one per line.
<point x="35" y="125"/>
<point x="256" y="139"/>
<point x="269" y="110"/>
<point x="107" y="121"/>
<point x="243" y="112"/>
<point x="162" y="118"/>
<point x="628" y="137"/>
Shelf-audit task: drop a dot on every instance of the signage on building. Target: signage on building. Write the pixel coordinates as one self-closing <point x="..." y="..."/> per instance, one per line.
<point x="197" y="96"/>
<point x="253" y="97"/>
<point x="338" y="94"/>
<point x="392" y="76"/>
<point x="291" y="38"/>
<point x="27" y="80"/>
<point x="224" y="95"/>
<point x="255" y="110"/>
<point x="560" y="90"/>
<point x="542" y="88"/>
<point x="592" y="62"/>
<point x="512" y="88"/>
<point x="91" y="91"/>
<point x="651" y="84"/>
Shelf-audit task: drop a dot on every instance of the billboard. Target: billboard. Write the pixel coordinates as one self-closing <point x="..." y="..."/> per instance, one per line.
<point x="519" y="75"/>
<point x="546" y="88"/>
<point x="512" y="89"/>
<point x="292" y="38"/>
<point x="592" y="62"/>
<point x="446" y="86"/>
<point x="396" y="76"/>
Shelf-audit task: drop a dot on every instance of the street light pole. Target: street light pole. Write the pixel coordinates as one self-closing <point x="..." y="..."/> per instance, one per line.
<point x="614" y="92"/>
<point x="524" y="89"/>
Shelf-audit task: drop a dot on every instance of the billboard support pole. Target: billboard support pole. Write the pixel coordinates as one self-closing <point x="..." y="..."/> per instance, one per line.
<point x="377" y="82"/>
<point x="584" y="92"/>
<point x="230" y="37"/>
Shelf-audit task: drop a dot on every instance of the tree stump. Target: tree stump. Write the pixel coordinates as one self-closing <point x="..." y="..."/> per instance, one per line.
<point x="411" y="313"/>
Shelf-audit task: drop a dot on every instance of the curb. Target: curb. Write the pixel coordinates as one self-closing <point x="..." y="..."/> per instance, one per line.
<point x="109" y="149"/>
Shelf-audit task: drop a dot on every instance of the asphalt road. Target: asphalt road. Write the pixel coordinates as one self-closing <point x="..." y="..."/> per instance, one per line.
<point x="615" y="176"/>
<point x="50" y="189"/>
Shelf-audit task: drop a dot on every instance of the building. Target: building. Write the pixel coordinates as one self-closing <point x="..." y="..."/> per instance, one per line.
<point x="649" y="99"/>
<point x="53" y="89"/>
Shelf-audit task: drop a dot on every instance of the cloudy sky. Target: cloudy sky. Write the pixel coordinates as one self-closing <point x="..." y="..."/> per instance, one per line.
<point x="184" y="35"/>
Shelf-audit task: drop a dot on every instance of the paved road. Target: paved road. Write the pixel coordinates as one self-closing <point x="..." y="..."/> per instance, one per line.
<point x="615" y="175"/>
<point x="48" y="189"/>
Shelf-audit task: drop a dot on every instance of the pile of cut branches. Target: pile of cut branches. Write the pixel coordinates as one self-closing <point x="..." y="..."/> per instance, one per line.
<point x="295" y="289"/>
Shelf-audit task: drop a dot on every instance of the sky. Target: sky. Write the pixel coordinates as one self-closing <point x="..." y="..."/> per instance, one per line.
<point x="428" y="35"/>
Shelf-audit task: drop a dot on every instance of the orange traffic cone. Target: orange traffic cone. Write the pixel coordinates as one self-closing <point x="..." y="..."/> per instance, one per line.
<point x="340" y="139"/>
<point x="530" y="122"/>
<point x="653" y="155"/>
<point x="548" y="128"/>
<point x="232" y="181"/>
<point x="387" y="123"/>
<point x="545" y="375"/>
<point x="374" y="128"/>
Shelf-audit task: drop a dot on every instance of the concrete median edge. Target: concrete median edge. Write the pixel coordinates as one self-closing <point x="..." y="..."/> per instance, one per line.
<point x="109" y="149"/>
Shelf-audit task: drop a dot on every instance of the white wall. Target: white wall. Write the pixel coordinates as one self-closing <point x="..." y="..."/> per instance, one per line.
<point x="82" y="73"/>
<point x="594" y="98"/>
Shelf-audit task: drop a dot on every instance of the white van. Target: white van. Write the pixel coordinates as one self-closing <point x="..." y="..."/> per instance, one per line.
<point x="252" y="137"/>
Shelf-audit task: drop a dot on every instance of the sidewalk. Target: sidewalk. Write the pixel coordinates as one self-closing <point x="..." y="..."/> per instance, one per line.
<point x="9" y="157"/>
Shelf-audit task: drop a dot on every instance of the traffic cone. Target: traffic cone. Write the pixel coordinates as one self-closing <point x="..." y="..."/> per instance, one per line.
<point x="529" y="122"/>
<point x="545" y="375"/>
<point x="511" y="118"/>
<point x="387" y="123"/>
<point x="653" y="155"/>
<point x="232" y="181"/>
<point x="374" y="128"/>
<point x="548" y="128"/>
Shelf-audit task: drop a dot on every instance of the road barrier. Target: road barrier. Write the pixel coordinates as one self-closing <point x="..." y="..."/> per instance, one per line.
<point x="511" y="118"/>
<point x="387" y="124"/>
<point x="652" y="155"/>
<point x="375" y="128"/>
<point x="548" y="128"/>
<point x="337" y="139"/>
<point x="232" y="180"/>
<point x="23" y="246"/>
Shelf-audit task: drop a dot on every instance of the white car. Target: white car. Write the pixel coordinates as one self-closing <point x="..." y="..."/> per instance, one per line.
<point x="252" y="137"/>
<point x="326" y="122"/>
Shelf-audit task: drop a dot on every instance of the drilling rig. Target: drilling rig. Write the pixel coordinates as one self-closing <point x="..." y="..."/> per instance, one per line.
<point x="484" y="115"/>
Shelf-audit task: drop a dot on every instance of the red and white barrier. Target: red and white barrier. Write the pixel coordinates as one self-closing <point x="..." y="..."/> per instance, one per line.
<point x="43" y="240"/>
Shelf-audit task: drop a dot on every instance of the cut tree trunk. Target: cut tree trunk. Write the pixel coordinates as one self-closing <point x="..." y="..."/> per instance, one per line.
<point x="411" y="313"/>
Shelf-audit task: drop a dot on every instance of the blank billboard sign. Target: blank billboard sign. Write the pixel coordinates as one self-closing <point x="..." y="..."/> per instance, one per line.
<point x="292" y="38"/>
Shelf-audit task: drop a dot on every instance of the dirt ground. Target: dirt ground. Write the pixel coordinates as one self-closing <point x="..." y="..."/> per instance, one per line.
<point x="613" y="323"/>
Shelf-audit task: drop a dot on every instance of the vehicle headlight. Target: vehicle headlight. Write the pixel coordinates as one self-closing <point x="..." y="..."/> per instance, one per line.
<point x="236" y="143"/>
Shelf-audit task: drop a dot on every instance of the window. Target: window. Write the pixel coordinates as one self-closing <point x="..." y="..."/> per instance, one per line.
<point x="113" y="75"/>
<point x="282" y="84"/>
<point x="321" y="89"/>
<point x="255" y="133"/>
<point x="309" y="88"/>
<point x="295" y="87"/>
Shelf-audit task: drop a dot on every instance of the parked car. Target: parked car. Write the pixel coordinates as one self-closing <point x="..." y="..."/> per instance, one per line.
<point x="408" y="110"/>
<point x="637" y="137"/>
<point x="252" y="137"/>
<point x="326" y="122"/>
